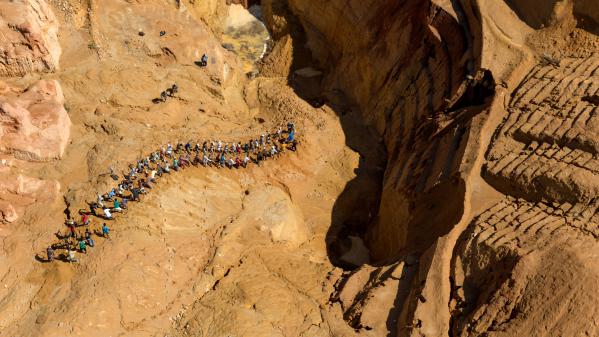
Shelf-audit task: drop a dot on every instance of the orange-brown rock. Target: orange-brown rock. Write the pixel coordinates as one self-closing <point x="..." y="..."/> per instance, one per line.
<point x="18" y="191"/>
<point x="28" y="38"/>
<point x="35" y="125"/>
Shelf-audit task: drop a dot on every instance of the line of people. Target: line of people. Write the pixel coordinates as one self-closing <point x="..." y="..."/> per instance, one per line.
<point x="143" y="174"/>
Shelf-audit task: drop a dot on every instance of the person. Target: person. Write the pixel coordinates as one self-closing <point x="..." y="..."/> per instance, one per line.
<point x="188" y="147"/>
<point x="121" y="190"/>
<point x="206" y="160"/>
<point x="111" y="194"/>
<point x="204" y="60"/>
<point x="132" y="173"/>
<point x="175" y="88"/>
<point x="169" y="150"/>
<point x="230" y="162"/>
<point x="152" y="176"/>
<point x="88" y="233"/>
<point x="71" y="255"/>
<point x="222" y="160"/>
<point x="163" y="96"/>
<point x="85" y="219"/>
<point x="100" y="200"/>
<point x="291" y="136"/>
<point x="184" y="160"/>
<point x="246" y="160"/>
<point x="273" y="151"/>
<point x="82" y="247"/>
<point x="176" y="164"/>
<point x="167" y="168"/>
<point x="117" y="206"/>
<point x="107" y="213"/>
<point x="238" y="162"/>
<point x="124" y="203"/>
<point x="71" y="229"/>
<point x="50" y="253"/>
<point x="105" y="231"/>
<point x="90" y="242"/>
<point x="142" y="185"/>
<point x="135" y="193"/>
<point x="92" y="209"/>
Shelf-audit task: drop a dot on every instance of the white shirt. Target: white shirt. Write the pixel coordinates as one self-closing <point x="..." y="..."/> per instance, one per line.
<point x="107" y="213"/>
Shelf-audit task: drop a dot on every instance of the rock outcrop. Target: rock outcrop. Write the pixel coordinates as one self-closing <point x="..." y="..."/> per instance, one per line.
<point x="18" y="191"/>
<point x="34" y="123"/>
<point x="422" y="58"/>
<point x="29" y="41"/>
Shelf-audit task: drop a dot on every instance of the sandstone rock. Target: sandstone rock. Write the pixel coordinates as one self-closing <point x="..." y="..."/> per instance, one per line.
<point x="282" y="220"/>
<point x="35" y="125"/>
<point x="19" y="191"/>
<point x="29" y="40"/>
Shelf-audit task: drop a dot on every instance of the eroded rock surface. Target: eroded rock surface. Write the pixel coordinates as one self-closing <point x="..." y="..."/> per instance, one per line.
<point x="18" y="192"/>
<point x="34" y="123"/>
<point x="29" y="42"/>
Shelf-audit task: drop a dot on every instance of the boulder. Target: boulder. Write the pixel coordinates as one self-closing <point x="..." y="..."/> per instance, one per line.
<point x="28" y="38"/>
<point x="33" y="124"/>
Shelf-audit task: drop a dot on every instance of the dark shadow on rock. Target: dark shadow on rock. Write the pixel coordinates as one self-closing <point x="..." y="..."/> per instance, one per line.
<point x="41" y="259"/>
<point x="358" y="203"/>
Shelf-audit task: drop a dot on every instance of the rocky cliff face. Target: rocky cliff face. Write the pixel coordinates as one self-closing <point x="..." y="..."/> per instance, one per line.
<point x="34" y="125"/>
<point x="29" y="40"/>
<point x="434" y="78"/>
<point x="402" y="63"/>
